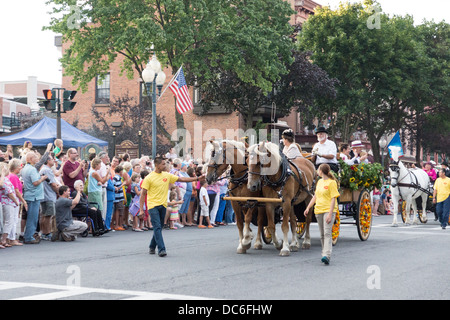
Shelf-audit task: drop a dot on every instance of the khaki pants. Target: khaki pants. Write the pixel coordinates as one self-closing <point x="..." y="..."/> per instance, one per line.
<point x="325" y="233"/>
<point x="75" y="229"/>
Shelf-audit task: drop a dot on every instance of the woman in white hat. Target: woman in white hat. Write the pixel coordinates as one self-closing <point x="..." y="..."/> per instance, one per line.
<point x="356" y="155"/>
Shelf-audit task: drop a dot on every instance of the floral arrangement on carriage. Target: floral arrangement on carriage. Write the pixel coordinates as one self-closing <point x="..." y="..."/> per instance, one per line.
<point x="363" y="175"/>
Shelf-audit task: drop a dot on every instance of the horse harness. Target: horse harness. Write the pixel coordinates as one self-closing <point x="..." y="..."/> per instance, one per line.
<point x="415" y="185"/>
<point x="238" y="182"/>
<point x="286" y="172"/>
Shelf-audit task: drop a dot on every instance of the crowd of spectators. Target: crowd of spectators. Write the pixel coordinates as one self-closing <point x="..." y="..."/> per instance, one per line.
<point x="57" y="196"/>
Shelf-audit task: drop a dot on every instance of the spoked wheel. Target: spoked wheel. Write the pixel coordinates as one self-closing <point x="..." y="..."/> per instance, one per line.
<point x="266" y="236"/>
<point x="364" y="215"/>
<point x="301" y="228"/>
<point x="335" y="229"/>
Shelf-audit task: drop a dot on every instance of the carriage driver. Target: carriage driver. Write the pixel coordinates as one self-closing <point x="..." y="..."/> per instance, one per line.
<point x="290" y="150"/>
<point x="325" y="150"/>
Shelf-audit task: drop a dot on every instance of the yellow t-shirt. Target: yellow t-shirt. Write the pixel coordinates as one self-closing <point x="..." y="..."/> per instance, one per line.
<point x="157" y="186"/>
<point x="325" y="191"/>
<point x="443" y="188"/>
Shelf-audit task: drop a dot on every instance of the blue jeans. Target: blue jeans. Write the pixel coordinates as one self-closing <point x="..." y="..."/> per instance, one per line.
<point x="32" y="219"/>
<point x="229" y="212"/>
<point x="221" y="210"/>
<point x="442" y="210"/>
<point x="186" y="201"/>
<point x="157" y="214"/>
<point x="109" y="212"/>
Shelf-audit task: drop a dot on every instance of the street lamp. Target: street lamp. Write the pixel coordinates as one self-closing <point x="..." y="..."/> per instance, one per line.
<point x="153" y="76"/>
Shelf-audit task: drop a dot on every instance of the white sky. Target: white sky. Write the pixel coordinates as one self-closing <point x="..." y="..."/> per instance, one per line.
<point x="26" y="50"/>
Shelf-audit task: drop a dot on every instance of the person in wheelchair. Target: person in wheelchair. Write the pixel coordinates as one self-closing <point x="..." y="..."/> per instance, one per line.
<point x="84" y="206"/>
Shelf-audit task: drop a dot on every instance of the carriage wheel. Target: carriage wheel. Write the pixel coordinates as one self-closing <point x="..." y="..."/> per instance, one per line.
<point x="335" y="229"/>
<point x="364" y="215"/>
<point x="266" y="236"/>
<point x="301" y="228"/>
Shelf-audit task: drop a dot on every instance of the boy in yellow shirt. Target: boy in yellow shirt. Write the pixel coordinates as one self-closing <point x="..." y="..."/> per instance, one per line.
<point x="155" y="188"/>
<point x="441" y="196"/>
<point x="325" y="200"/>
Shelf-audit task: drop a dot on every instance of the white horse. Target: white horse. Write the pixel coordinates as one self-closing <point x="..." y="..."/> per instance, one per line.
<point x="407" y="184"/>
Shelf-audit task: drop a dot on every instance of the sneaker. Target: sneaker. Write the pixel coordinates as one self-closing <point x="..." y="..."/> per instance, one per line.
<point x="66" y="238"/>
<point x="152" y="251"/>
<point x="35" y="241"/>
<point x="163" y="253"/>
<point x="46" y="237"/>
<point x="325" y="260"/>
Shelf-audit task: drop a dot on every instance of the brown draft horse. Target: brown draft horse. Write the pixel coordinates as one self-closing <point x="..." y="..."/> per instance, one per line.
<point x="269" y="169"/>
<point x="220" y="155"/>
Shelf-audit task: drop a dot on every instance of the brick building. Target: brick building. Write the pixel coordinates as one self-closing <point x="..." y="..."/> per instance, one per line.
<point x="100" y="93"/>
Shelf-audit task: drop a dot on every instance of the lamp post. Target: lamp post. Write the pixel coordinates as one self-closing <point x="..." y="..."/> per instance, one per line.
<point x="114" y="145"/>
<point x="140" y="143"/>
<point x="382" y="143"/>
<point x="153" y="76"/>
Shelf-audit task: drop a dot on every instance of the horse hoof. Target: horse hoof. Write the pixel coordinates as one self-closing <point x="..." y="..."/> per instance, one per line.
<point x="257" y="246"/>
<point x="279" y="246"/>
<point x="246" y="246"/>
<point x="293" y="248"/>
<point x="395" y="225"/>
<point x="241" y="250"/>
<point x="306" y="246"/>
<point x="285" y="253"/>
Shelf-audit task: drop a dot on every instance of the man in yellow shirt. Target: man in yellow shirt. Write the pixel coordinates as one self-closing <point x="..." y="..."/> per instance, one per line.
<point x="441" y="197"/>
<point x="155" y="189"/>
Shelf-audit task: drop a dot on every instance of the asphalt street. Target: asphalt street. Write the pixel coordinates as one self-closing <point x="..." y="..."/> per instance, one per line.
<point x="404" y="262"/>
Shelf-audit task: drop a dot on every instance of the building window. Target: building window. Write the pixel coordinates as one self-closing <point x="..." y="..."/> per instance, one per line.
<point x="102" y="89"/>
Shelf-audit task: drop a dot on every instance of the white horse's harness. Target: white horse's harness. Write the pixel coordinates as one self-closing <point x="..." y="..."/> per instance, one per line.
<point x="413" y="184"/>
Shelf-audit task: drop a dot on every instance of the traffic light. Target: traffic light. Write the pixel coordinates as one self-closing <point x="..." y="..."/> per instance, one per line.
<point x="50" y="101"/>
<point x="68" y="104"/>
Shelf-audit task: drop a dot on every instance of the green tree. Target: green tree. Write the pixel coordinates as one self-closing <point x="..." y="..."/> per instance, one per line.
<point x="378" y="68"/>
<point x="246" y="37"/>
<point x="298" y="89"/>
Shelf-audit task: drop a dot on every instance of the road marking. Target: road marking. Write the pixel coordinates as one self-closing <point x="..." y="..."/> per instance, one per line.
<point x="69" y="291"/>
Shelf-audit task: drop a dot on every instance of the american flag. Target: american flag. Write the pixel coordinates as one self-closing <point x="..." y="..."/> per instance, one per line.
<point x="180" y="90"/>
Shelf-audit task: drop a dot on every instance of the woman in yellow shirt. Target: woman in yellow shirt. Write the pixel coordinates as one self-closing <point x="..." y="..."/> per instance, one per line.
<point x="441" y="196"/>
<point x="325" y="208"/>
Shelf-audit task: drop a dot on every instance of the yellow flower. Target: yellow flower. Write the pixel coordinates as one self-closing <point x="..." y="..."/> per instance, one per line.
<point x="352" y="179"/>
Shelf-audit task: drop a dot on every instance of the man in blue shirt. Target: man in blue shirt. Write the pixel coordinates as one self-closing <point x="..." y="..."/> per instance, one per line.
<point x="33" y="192"/>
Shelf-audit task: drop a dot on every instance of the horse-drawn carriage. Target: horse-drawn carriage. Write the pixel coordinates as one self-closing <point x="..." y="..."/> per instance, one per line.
<point x="266" y="188"/>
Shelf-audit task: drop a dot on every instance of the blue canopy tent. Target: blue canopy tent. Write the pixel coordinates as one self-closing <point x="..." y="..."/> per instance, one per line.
<point x="44" y="132"/>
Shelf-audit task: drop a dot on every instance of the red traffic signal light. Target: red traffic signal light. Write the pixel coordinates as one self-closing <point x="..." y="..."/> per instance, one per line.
<point x="48" y="94"/>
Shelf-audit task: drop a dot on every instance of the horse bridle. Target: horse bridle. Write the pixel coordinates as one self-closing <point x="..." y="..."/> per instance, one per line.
<point x="237" y="181"/>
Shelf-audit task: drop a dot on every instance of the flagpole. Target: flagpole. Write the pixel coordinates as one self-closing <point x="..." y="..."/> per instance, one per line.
<point x="170" y="83"/>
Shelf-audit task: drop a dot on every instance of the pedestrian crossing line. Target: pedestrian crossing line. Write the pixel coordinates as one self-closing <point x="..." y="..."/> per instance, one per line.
<point x="71" y="291"/>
